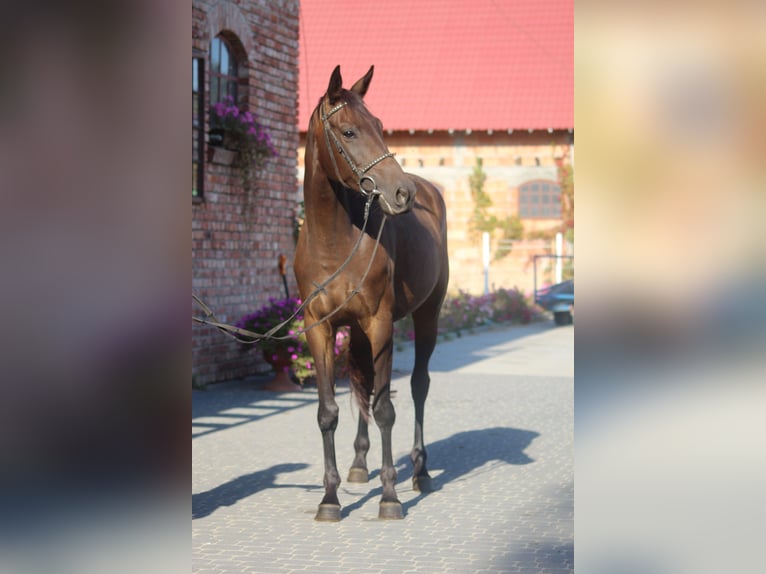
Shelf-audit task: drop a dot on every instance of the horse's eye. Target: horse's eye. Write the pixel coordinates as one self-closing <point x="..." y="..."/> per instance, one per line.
<point x="348" y="134"/>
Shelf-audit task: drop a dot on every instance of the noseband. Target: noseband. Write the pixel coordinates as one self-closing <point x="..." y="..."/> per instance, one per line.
<point x="360" y="172"/>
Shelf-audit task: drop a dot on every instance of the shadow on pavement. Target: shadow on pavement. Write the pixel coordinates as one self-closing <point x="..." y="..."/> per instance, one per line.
<point x="234" y="403"/>
<point x="228" y="405"/>
<point x="228" y="493"/>
<point x="471" y="347"/>
<point x="457" y="457"/>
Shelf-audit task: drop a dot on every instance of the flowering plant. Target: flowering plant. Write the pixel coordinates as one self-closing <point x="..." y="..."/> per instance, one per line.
<point x="303" y="365"/>
<point x="464" y="312"/>
<point x="273" y="313"/>
<point x="290" y="338"/>
<point x="240" y="130"/>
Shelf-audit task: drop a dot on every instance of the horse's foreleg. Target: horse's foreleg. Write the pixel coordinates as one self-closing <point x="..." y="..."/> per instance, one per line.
<point x="329" y="508"/>
<point x="385" y="416"/>
<point x="320" y="343"/>
<point x="425" y="341"/>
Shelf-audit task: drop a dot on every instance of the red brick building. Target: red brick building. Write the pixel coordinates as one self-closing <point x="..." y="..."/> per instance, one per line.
<point x="247" y="50"/>
<point x="455" y="81"/>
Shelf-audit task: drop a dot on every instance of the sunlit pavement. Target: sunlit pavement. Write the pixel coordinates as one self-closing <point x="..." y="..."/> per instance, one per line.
<point x="499" y="434"/>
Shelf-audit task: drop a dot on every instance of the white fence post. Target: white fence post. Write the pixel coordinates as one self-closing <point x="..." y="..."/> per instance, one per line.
<point x="485" y="258"/>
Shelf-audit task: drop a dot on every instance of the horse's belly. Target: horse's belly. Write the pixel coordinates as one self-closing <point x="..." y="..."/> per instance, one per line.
<point x="409" y="297"/>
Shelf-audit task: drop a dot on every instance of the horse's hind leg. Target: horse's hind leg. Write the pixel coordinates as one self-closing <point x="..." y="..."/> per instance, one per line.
<point x="358" y="471"/>
<point x="361" y="375"/>
<point x="426" y="325"/>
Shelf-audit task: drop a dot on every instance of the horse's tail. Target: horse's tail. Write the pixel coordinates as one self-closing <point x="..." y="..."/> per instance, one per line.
<point x="360" y="391"/>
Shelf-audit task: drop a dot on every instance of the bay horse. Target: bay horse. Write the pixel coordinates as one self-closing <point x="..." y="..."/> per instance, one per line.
<point x="347" y="165"/>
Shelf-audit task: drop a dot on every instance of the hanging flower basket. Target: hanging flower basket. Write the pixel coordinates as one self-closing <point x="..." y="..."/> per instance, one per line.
<point x="240" y="131"/>
<point x="221" y="155"/>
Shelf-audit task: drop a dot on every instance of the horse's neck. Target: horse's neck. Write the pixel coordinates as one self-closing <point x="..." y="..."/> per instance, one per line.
<point x="328" y="222"/>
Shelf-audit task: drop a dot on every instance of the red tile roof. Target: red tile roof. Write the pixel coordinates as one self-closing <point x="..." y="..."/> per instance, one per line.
<point x="445" y="64"/>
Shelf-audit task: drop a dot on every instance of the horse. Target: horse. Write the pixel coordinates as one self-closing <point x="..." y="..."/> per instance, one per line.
<point x="356" y="196"/>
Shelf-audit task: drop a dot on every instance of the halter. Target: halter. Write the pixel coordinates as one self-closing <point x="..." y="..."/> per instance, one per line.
<point x="360" y="172"/>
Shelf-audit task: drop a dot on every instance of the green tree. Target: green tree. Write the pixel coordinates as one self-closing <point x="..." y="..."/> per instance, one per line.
<point x="483" y="221"/>
<point x="512" y="229"/>
<point x="566" y="184"/>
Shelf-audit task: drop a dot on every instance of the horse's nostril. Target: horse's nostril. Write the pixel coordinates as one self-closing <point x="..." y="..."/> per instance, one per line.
<point x="402" y="196"/>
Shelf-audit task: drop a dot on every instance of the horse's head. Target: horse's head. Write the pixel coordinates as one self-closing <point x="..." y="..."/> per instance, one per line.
<point x="351" y="147"/>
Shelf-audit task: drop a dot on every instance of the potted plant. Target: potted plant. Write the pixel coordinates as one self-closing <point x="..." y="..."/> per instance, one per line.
<point x="303" y="364"/>
<point x="240" y="131"/>
<point x="289" y="350"/>
<point x="286" y="346"/>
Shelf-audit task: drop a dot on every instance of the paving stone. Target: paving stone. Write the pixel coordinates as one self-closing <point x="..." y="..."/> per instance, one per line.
<point x="499" y="434"/>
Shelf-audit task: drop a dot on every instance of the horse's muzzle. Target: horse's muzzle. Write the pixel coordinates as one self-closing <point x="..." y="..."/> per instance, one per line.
<point x="399" y="202"/>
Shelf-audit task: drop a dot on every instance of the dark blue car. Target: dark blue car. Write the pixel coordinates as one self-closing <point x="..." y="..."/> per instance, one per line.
<point x="558" y="299"/>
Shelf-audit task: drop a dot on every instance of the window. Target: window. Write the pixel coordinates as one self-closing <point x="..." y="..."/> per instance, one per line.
<point x="198" y="125"/>
<point x="540" y="199"/>
<point x="224" y="71"/>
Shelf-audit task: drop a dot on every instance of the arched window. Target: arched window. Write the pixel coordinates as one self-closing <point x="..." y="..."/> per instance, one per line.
<point x="224" y="71"/>
<point x="198" y="78"/>
<point x="540" y="199"/>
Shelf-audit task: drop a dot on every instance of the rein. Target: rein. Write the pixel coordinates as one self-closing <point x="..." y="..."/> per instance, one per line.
<point x="253" y="337"/>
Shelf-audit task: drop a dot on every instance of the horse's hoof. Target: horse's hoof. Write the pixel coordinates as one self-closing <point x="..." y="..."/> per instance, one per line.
<point x="328" y="513"/>
<point x="356" y="474"/>
<point x="390" y="511"/>
<point x="421" y="484"/>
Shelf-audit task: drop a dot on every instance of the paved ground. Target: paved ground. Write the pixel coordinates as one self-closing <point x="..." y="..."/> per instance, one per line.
<point x="499" y="433"/>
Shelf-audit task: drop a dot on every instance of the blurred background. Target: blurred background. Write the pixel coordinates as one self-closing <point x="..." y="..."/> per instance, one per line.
<point x="671" y="319"/>
<point x="95" y="280"/>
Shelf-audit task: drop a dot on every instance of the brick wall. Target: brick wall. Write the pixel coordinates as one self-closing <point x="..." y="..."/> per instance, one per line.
<point x="238" y="235"/>
<point x="509" y="160"/>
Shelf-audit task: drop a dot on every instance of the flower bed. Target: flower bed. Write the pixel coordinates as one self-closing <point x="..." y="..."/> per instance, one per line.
<point x="461" y="312"/>
<point x="465" y="312"/>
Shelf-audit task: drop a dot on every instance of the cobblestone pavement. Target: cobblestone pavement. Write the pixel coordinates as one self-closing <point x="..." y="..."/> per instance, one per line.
<point x="499" y="434"/>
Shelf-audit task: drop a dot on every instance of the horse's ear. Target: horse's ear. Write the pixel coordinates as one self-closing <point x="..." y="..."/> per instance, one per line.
<point x="336" y="86"/>
<point x="363" y="83"/>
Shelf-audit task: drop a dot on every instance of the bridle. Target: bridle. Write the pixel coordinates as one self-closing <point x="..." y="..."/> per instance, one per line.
<point x="360" y="172"/>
